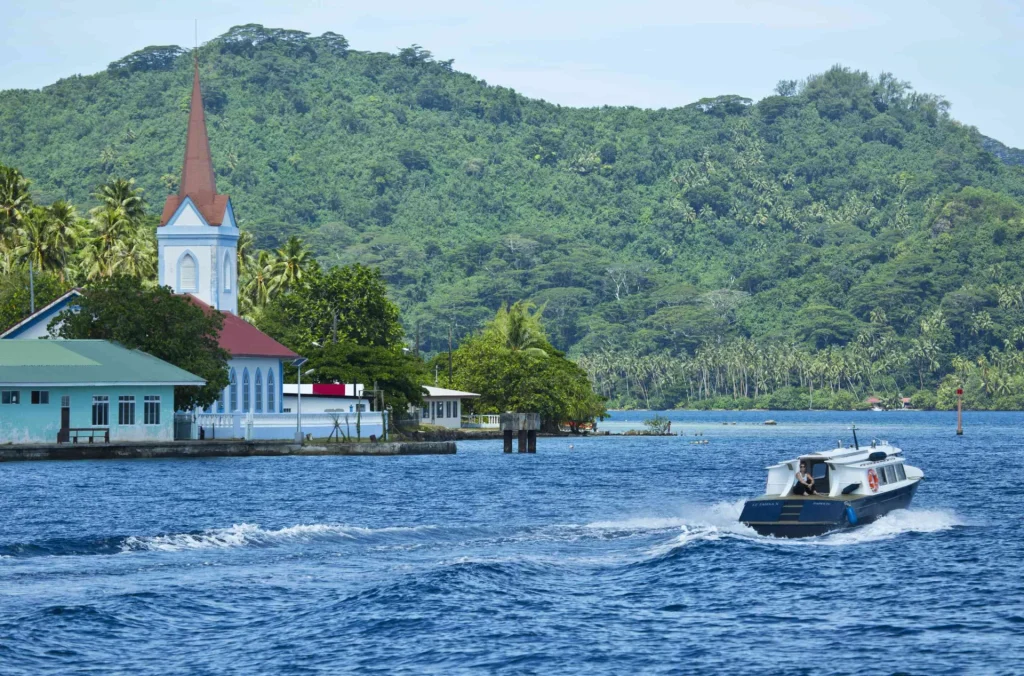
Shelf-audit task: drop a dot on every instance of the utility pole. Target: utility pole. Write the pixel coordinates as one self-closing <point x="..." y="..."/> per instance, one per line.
<point x="31" y="287"/>
<point x="449" y="355"/>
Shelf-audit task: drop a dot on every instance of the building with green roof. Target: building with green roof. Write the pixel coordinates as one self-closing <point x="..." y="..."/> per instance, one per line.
<point x="63" y="390"/>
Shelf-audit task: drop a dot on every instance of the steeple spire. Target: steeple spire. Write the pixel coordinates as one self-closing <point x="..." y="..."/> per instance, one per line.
<point x="198" y="181"/>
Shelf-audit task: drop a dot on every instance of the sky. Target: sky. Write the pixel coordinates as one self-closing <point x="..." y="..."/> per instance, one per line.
<point x="644" y="53"/>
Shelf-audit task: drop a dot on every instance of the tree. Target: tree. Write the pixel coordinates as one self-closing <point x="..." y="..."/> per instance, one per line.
<point x="121" y="195"/>
<point x="14" y="294"/>
<point x="519" y="330"/>
<point x="15" y="200"/>
<point x="292" y="264"/>
<point x="348" y="303"/>
<point x="398" y="375"/>
<point x="154" y="320"/>
<point x="503" y="365"/>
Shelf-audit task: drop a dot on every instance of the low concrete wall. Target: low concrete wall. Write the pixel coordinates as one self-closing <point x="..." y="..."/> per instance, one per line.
<point x="211" y="449"/>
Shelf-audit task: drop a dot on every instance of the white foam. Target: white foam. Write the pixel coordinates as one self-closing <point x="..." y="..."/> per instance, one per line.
<point x="721" y="521"/>
<point x="245" y="534"/>
<point x="894" y="524"/>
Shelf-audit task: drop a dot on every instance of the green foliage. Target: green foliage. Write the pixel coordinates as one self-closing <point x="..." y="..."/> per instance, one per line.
<point x="513" y="367"/>
<point x="658" y="424"/>
<point x="347" y="304"/>
<point x="399" y="376"/>
<point x="646" y="234"/>
<point x="14" y="295"/>
<point x="124" y="310"/>
<point x="923" y="400"/>
<point x="343" y="322"/>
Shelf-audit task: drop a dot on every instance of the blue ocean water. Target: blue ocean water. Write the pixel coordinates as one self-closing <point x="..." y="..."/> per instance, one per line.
<point x="618" y="555"/>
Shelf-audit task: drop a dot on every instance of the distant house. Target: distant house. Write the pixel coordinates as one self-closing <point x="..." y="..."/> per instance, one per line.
<point x="57" y="390"/>
<point x="326" y="398"/>
<point x="443" y="407"/>
<point x="36" y="325"/>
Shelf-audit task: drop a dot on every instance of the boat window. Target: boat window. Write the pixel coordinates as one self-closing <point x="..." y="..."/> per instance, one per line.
<point x="890" y="474"/>
<point x="900" y="472"/>
<point x="881" y="476"/>
<point x="819" y="470"/>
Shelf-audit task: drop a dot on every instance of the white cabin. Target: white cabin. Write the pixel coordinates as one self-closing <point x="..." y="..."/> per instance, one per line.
<point x="850" y="471"/>
<point x="443" y="407"/>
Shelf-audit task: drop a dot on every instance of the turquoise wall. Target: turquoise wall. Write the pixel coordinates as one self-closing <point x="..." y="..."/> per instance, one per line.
<point x="26" y="423"/>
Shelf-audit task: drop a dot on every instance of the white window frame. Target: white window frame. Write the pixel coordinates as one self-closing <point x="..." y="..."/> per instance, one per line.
<point x="126" y="410"/>
<point x="100" y="402"/>
<point x="151" y="409"/>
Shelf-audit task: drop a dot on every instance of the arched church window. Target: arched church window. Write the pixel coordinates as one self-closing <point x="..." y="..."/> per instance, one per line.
<point x="227" y="271"/>
<point x="188" y="275"/>
<point x="259" y="391"/>
<point x="246" y="400"/>
<point x="234" y="391"/>
<point x="270" y="391"/>
<point x="220" y="400"/>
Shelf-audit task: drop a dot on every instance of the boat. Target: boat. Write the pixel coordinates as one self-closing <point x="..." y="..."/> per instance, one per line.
<point x="854" y="486"/>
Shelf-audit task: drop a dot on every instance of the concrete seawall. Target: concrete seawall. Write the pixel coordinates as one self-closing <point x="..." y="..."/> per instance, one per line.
<point x="214" y="449"/>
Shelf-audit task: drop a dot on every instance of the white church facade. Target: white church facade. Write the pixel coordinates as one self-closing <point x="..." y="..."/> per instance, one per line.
<point x="197" y="249"/>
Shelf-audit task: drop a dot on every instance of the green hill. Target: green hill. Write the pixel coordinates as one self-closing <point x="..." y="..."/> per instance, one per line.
<point x="649" y="231"/>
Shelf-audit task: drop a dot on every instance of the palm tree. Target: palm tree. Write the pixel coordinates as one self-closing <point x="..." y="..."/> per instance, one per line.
<point x="244" y="248"/>
<point x="109" y="227"/>
<point x="136" y="254"/>
<point x="66" y="232"/>
<point x="519" y="330"/>
<point x="35" y="241"/>
<point x="290" y="265"/>
<point x="259" y="284"/>
<point x="122" y="194"/>
<point x="15" y="200"/>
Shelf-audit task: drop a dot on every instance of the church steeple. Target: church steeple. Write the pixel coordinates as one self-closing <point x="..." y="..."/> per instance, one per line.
<point x="198" y="182"/>
<point x="197" y="179"/>
<point x="197" y="241"/>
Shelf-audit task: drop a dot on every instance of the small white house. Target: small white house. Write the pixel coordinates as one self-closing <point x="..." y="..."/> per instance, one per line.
<point x="326" y="398"/>
<point x="443" y="407"/>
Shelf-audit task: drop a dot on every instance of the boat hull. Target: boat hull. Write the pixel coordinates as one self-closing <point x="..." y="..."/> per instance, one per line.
<point x="797" y="517"/>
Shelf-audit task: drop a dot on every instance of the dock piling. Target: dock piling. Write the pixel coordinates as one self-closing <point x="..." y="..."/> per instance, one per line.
<point x="525" y="426"/>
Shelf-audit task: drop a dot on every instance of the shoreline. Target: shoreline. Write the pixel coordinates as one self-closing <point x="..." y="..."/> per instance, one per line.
<point x="228" y="448"/>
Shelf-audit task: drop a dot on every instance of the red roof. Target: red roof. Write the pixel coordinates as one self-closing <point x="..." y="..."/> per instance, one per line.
<point x="197" y="179"/>
<point x="242" y="339"/>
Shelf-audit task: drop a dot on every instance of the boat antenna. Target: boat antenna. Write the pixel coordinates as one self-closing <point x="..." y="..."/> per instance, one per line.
<point x="853" y="427"/>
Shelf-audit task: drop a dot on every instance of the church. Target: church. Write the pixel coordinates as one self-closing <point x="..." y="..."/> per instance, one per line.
<point x="197" y="244"/>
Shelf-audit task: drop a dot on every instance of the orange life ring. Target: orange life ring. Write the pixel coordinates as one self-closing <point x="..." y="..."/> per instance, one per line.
<point x="873" y="480"/>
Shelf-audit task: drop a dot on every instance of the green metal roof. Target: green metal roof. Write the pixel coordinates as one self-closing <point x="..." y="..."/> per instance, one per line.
<point x="77" y="363"/>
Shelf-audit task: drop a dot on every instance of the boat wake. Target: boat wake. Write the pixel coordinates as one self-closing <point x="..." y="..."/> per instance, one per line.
<point x="246" y="534"/>
<point x="721" y="522"/>
<point x="237" y="535"/>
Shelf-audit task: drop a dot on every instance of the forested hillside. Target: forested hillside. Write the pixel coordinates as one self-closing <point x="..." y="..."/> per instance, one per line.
<point x="843" y="210"/>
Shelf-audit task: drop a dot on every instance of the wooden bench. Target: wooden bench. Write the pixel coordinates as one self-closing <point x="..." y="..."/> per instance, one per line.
<point x="92" y="433"/>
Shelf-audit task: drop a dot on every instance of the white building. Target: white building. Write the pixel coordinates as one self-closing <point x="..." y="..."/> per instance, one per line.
<point x="326" y="398"/>
<point x="443" y="407"/>
<point x="197" y="257"/>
